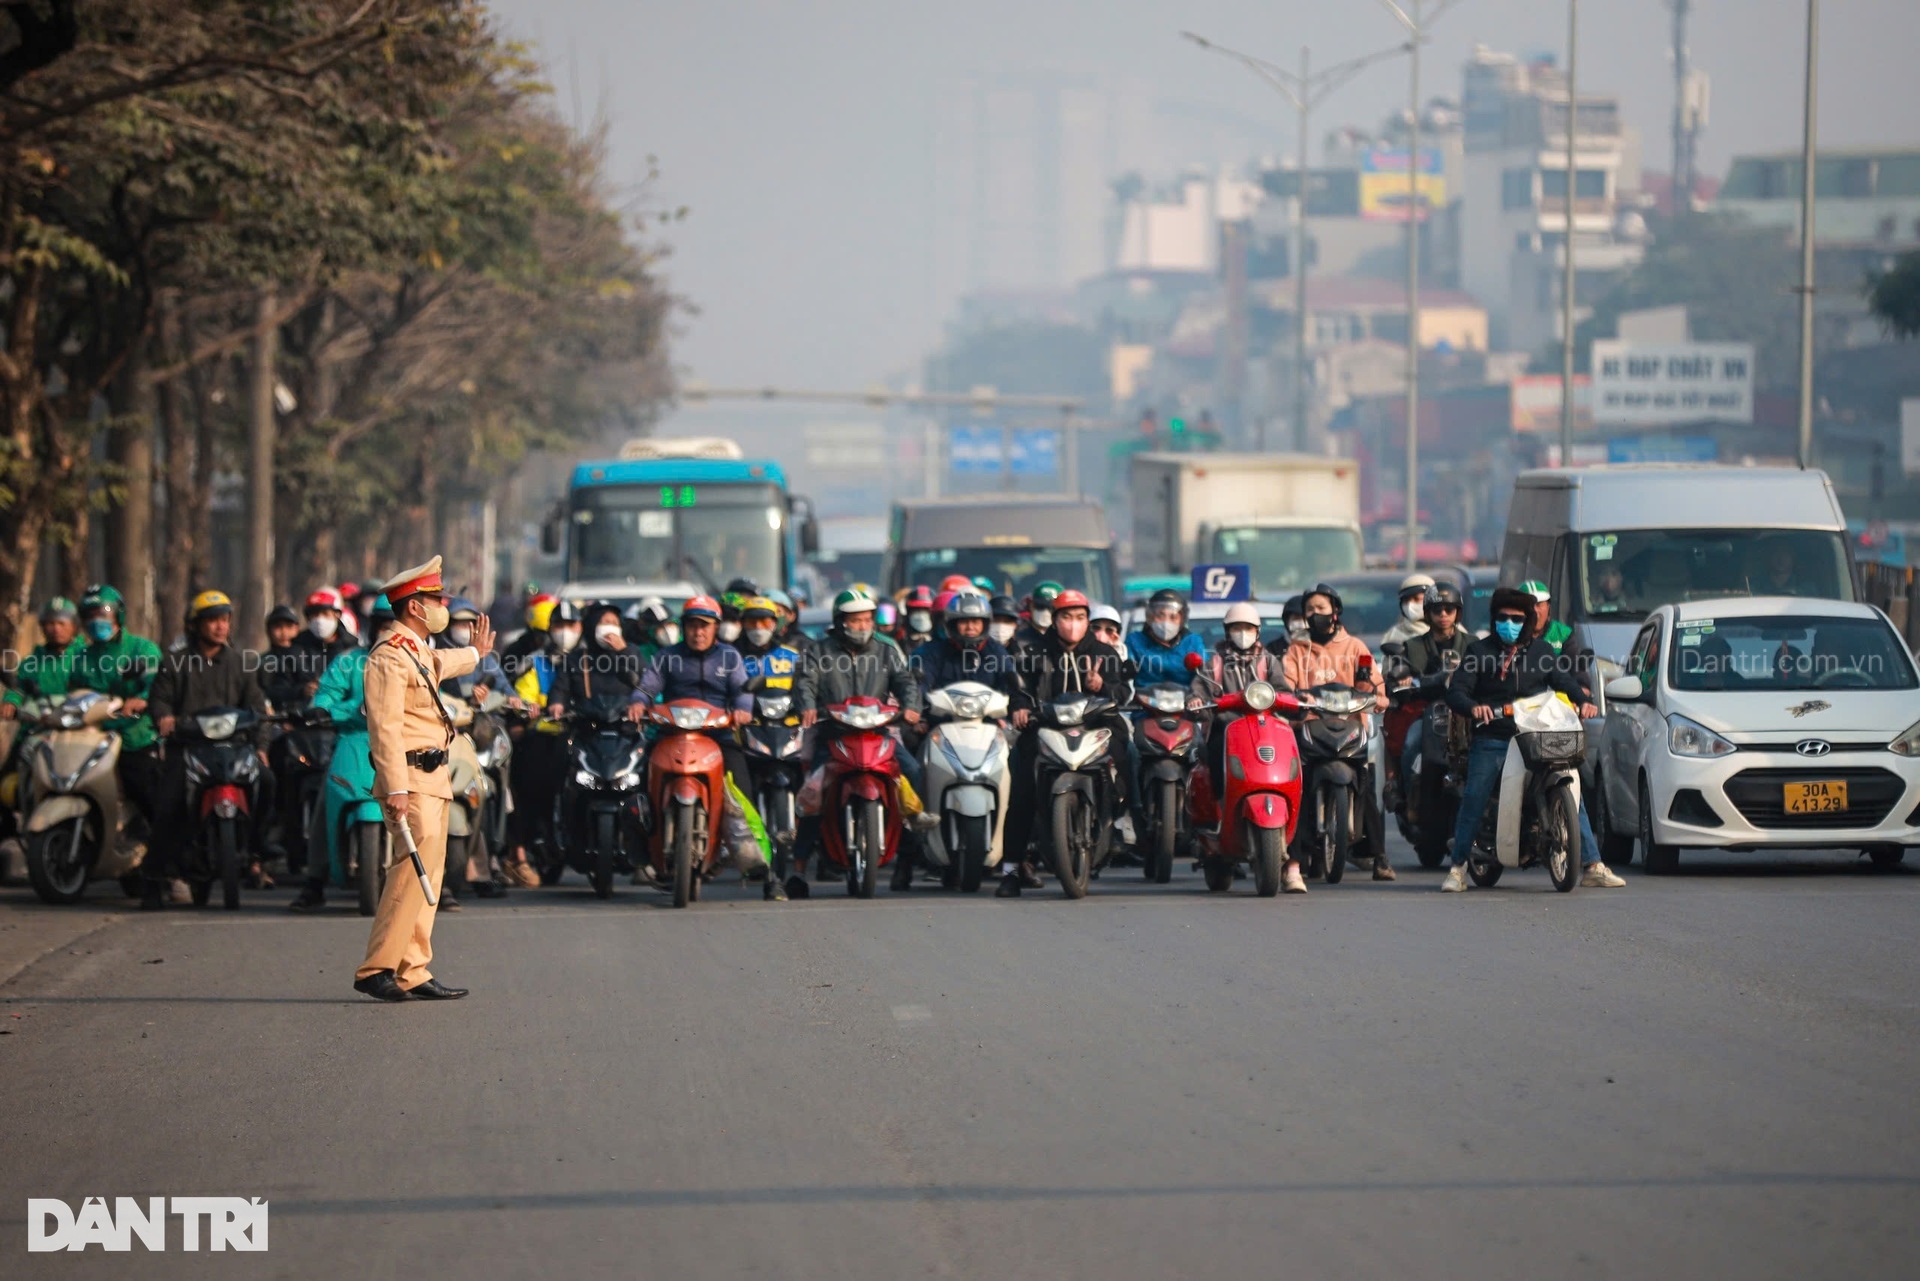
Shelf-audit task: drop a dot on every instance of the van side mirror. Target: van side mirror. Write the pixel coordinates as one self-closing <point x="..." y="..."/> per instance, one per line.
<point x="1625" y="689"/>
<point x="801" y="509"/>
<point x="550" y="530"/>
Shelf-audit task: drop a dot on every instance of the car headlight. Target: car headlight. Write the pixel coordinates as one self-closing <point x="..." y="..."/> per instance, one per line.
<point x="1908" y="744"/>
<point x="586" y="778"/>
<point x="1690" y="738"/>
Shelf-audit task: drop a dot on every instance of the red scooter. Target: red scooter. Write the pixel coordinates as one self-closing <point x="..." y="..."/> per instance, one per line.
<point x="860" y="817"/>
<point x="1254" y="821"/>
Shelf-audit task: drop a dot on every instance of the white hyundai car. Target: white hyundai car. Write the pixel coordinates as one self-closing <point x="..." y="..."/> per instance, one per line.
<point x="1761" y="722"/>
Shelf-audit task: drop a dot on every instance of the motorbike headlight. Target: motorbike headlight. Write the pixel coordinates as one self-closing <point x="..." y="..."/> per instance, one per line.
<point x="776" y="707"/>
<point x="1690" y="738"/>
<point x="791" y="747"/>
<point x="1170" y="701"/>
<point x="1259" y="696"/>
<point x="689" y="717"/>
<point x="215" y="728"/>
<point x="626" y="780"/>
<point x="1908" y="744"/>
<point x="1069" y="713"/>
<point x="970" y="708"/>
<point x="586" y="778"/>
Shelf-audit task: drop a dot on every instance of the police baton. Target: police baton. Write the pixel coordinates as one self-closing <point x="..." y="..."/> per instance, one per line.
<point x="419" y="868"/>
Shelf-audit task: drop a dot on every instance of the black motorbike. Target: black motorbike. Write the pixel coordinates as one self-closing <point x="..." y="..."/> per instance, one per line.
<point x="1077" y="785"/>
<point x="775" y="746"/>
<point x="1337" y="799"/>
<point x="1428" y="799"/>
<point x="299" y="759"/>
<point x="225" y="784"/>
<point x="604" y="822"/>
<point x="1167" y="741"/>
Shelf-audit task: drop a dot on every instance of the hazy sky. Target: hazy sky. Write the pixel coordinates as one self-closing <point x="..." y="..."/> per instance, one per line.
<point x="799" y="133"/>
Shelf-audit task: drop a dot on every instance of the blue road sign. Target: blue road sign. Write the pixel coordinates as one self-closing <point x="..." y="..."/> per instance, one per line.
<point x="1035" y="453"/>
<point x="974" y="450"/>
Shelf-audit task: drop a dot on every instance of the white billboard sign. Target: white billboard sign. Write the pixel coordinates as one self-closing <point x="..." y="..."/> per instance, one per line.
<point x="1910" y="437"/>
<point x="1668" y="384"/>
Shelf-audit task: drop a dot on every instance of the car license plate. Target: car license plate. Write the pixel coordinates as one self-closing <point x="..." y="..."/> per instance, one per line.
<point x="1817" y="798"/>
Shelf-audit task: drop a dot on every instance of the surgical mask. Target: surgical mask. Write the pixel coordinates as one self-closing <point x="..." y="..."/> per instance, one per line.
<point x="101" y="629"/>
<point x="1508" y="629"/>
<point x="1296" y="629"/>
<point x="667" y="634"/>
<point x="461" y="635"/>
<point x="436" y="617"/>
<point x="919" y="620"/>
<point x="1413" y="610"/>
<point x="1165" y="628"/>
<point x="606" y="632"/>
<point x="1320" y="627"/>
<point x="759" y="636"/>
<point x="1002" y="632"/>
<point x="565" y="638"/>
<point x="1042" y="619"/>
<point x="729" y="631"/>
<point x="859" y="635"/>
<point x="324" y="626"/>
<point x="1242" y="637"/>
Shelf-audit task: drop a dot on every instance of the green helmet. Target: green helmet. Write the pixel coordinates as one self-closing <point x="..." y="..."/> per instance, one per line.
<point x="1536" y="589"/>
<point x="1043" y="593"/>
<point x="58" y="607"/>
<point x="103" y="596"/>
<point x="853" y="601"/>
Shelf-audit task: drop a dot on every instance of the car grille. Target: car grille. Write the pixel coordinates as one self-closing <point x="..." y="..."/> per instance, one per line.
<point x="1871" y="793"/>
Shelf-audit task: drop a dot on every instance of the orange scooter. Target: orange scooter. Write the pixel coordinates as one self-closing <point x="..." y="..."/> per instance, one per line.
<point x="687" y="789"/>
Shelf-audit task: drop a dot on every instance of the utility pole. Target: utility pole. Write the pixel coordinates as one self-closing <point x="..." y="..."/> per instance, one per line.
<point x="257" y="595"/>
<point x="1566" y="247"/>
<point x="1305" y="90"/>
<point x="1682" y="112"/>
<point x="1808" y="149"/>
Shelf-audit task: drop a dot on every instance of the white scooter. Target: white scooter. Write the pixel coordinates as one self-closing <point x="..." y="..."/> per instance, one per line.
<point x="966" y="756"/>
<point x="1534" y="818"/>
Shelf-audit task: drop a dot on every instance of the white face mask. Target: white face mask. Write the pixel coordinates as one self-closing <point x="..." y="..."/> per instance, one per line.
<point x="1297" y="629"/>
<point x="1243" y="637"/>
<point x="1003" y="632"/>
<point x="919" y="620"/>
<point x="565" y="638"/>
<point x="461" y="635"/>
<point x="1414" y="610"/>
<point x="1042" y="619"/>
<point x="759" y="636"/>
<point x="667" y="634"/>
<point x="1165" y="628"/>
<point x="324" y="626"/>
<point x="729" y="631"/>
<point x="606" y="632"/>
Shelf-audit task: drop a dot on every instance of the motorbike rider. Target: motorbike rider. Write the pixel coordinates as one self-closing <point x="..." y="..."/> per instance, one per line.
<point x="854" y="661"/>
<point x="1435" y="651"/>
<point x="604" y="666"/>
<point x="48" y="670"/>
<point x="772" y="660"/>
<point x="1330" y="655"/>
<point x="1548" y="628"/>
<point x="342" y="696"/>
<point x="916" y="619"/>
<point x="1039" y="623"/>
<point x="1159" y="652"/>
<point x="1413" y="618"/>
<point x="279" y="674"/>
<point x="703" y="667"/>
<point x="1239" y="660"/>
<point x="1069" y="659"/>
<point x="650" y="627"/>
<point x="517" y="655"/>
<point x="539" y="762"/>
<point x="967" y="653"/>
<point x="787" y="626"/>
<point x="739" y="591"/>
<point x="485" y="678"/>
<point x="1293" y="626"/>
<point x="1006" y="620"/>
<point x="1105" y="624"/>
<point x="1511" y="662"/>
<point x="121" y="665"/>
<point x="209" y="672"/>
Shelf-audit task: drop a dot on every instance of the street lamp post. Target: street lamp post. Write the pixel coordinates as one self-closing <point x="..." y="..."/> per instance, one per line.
<point x="1305" y="90"/>
<point x="1566" y="244"/>
<point x="1417" y="25"/>
<point x="1810" y="130"/>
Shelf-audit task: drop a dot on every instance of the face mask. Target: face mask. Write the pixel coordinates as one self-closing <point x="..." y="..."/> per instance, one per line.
<point x="729" y="631"/>
<point x="101" y="629"/>
<point x="606" y="632"/>
<point x="1413" y="611"/>
<point x="667" y="634"/>
<point x="1003" y="632"/>
<point x="1296" y="629"/>
<point x="919" y="620"/>
<point x="436" y="618"/>
<point x="323" y="626"/>
<point x="858" y="635"/>
<point x="1242" y="637"/>
<point x="1165" y="628"/>
<point x="1042" y="619"/>
<point x="461" y="636"/>
<point x="1508" y="629"/>
<point x="1320" y="628"/>
<point x="565" y="638"/>
<point x="758" y="636"/>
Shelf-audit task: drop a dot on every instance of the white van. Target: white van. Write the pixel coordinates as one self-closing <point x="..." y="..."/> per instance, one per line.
<point x="1613" y="544"/>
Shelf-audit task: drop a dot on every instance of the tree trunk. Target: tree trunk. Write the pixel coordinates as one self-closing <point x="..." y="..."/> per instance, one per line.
<point x="24" y="522"/>
<point x="180" y="530"/>
<point x="258" y="593"/>
<point x="200" y="505"/>
<point x="130" y="525"/>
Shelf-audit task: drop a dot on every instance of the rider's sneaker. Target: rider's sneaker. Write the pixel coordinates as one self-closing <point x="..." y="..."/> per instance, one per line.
<point x="1383" y="871"/>
<point x="1009" y="886"/>
<point x="1600" y="877"/>
<point x="1456" y="881"/>
<point x="925" y="821"/>
<point x="1291" y="881"/>
<point x="772" y="891"/>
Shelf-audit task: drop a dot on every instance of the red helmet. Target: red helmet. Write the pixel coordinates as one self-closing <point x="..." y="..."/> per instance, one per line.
<point x="920" y="597"/>
<point x="1071" y="598"/>
<point x="944" y="599"/>
<point x="324" y="598"/>
<point x="700" y="607"/>
<point x="956" y="583"/>
<point x="349" y="590"/>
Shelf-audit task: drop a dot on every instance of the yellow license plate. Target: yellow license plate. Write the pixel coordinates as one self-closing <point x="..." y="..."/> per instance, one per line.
<point x="1816" y="798"/>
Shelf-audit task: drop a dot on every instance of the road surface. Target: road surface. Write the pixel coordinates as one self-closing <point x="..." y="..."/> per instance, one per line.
<point x="1709" y="1075"/>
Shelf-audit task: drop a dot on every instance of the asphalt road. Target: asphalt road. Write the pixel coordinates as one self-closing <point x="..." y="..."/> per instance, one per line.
<point x="1708" y="1076"/>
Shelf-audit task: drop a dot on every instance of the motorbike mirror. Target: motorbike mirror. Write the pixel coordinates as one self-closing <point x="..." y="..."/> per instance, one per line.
<point x="1195" y="662"/>
<point x="1393" y="649"/>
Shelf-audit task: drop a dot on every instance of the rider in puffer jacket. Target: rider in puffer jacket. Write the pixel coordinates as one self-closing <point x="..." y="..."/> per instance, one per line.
<point x="1160" y="649"/>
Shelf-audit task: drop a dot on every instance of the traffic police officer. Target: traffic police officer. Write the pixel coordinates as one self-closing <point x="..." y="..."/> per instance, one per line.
<point x="408" y="732"/>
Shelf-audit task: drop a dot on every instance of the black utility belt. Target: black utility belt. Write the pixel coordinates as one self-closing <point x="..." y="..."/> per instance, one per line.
<point x="427" y="759"/>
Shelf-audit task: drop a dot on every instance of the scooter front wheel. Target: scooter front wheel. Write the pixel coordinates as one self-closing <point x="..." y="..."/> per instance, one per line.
<point x="227" y="845"/>
<point x="605" y="833"/>
<point x="1166" y="842"/>
<point x="58" y="860"/>
<point x="1563" y="834"/>
<point x="1070" y="846"/>
<point x="370" y="855"/>
<point x="1336" y="811"/>
<point x="972" y="852"/>
<point x="1269" y="853"/>
<point x="679" y="839"/>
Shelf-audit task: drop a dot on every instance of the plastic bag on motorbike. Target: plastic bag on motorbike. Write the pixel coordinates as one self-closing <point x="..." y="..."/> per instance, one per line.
<point x="910" y="803"/>
<point x="808" y="802"/>
<point x="742" y="834"/>
<point x="1549" y="731"/>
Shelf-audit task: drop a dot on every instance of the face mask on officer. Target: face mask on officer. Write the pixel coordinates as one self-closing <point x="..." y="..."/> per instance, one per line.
<point x="1003" y="632"/>
<point x="1242" y="637"/>
<point x="759" y="637"/>
<point x="324" y="626"/>
<point x="461" y="634"/>
<point x="434" y="614"/>
<point x="565" y="636"/>
<point x="729" y="631"/>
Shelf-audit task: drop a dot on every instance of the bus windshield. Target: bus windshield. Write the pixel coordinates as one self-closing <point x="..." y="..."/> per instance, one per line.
<point x="1284" y="558"/>
<point x="1627" y="574"/>
<point x="707" y="534"/>
<point x="1014" y="570"/>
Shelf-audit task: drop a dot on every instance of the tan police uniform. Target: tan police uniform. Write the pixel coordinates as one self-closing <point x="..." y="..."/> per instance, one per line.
<point x="408" y="732"/>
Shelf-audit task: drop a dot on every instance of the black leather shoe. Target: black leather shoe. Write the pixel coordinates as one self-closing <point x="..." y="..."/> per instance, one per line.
<point x="153" y="897"/>
<point x="435" y="990"/>
<point x="1009" y="886"/>
<point x="311" y="899"/>
<point x="797" y="887"/>
<point x="380" y="987"/>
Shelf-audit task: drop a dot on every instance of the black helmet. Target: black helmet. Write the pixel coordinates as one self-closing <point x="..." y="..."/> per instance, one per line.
<point x="969" y="605"/>
<point x="742" y="587"/>
<point x="1167" y="596"/>
<point x="1295" y="607"/>
<point x="564" y="612"/>
<point x="1443" y="594"/>
<point x="282" y="614"/>
<point x="1004" y="607"/>
<point x="1321" y="589"/>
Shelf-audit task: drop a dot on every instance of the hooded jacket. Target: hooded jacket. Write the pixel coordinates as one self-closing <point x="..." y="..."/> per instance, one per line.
<point x="595" y="672"/>
<point x="1053" y="668"/>
<point x="1335" y="663"/>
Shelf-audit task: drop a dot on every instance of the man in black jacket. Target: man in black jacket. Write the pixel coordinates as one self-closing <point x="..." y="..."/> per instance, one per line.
<point x="1067" y="659"/>
<point x="966" y="652"/>
<point x="207" y="673"/>
<point x="1511" y="662"/>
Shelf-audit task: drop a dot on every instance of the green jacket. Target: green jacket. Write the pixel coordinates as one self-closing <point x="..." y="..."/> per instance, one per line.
<point x="123" y="667"/>
<point x="1557" y="635"/>
<point x="343" y="692"/>
<point x="44" y="673"/>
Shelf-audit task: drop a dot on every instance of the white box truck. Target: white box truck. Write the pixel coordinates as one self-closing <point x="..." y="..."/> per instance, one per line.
<point x="1294" y="519"/>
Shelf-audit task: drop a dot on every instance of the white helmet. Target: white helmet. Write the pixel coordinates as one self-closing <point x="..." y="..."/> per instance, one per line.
<point x="1104" y="614"/>
<point x="1242" y="612"/>
<point x="1415" y="583"/>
